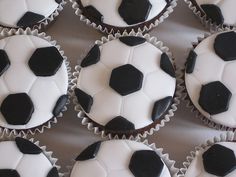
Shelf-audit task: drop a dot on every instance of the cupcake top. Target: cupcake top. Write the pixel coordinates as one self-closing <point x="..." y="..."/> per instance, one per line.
<point x="119" y="158"/>
<point x="33" y="82"/>
<point x="125" y="84"/>
<point x="122" y="13"/>
<point x="217" y="160"/>
<point x="22" y="158"/>
<point x="219" y="11"/>
<point x="25" y="13"/>
<point x="209" y="78"/>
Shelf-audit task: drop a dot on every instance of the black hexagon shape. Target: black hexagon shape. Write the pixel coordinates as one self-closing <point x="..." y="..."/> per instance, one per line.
<point x="17" y="109"/>
<point x="4" y="62"/>
<point x="92" y="57"/>
<point x="90" y="152"/>
<point x="214" y="98"/>
<point x="134" y="11"/>
<point x="45" y="61"/>
<point x="146" y="163"/>
<point x="119" y="123"/>
<point x="27" y="147"/>
<point x="213" y="12"/>
<point x="219" y="160"/>
<point x="225" y="46"/>
<point x="53" y="172"/>
<point x="93" y="13"/>
<point x="126" y="79"/>
<point x="132" y="40"/>
<point x="9" y="173"/>
<point x="29" y="19"/>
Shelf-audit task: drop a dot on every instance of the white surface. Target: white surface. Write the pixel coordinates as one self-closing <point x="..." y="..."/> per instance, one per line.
<point x="178" y="138"/>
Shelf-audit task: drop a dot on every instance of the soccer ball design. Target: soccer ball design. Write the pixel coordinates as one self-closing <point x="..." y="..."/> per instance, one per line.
<point x="122" y="12"/>
<point x="219" y="11"/>
<point x="24" y="13"/>
<point x="217" y="160"/>
<point x="210" y="76"/>
<point x="119" y="158"/>
<point x="22" y="158"/>
<point x="33" y="82"/>
<point x="125" y="84"/>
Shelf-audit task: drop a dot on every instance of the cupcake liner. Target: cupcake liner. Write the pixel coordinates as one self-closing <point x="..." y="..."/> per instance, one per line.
<point x="48" y="154"/>
<point x="170" y="113"/>
<point x="43" y="24"/>
<point x="226" y="137"/>
<point x="186" y="98"/>
<point x="53" y="120"/>
<point x="199" y="13"/>
<point x="164" y="156"/>
<point x="146" y="27"/>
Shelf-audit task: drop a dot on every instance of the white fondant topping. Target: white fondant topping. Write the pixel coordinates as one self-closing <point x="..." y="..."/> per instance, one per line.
<point x="196" y="168"/>
<point x="109" y="10"/>
<point x="210" y="67"/>
<point x="18" y="78"/>
<point x="11" y="11"/>
<point x="227" y="8"/>
<point x="112" y="160"/>
<point x="26" y="165"/>
<point x="135" y="107"/>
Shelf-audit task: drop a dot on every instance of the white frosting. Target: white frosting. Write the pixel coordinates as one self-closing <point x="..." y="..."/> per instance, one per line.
<point x="112" y="160"/>
<point x="11" y="11"/>
<point x="227" y="8"/>
<point x="210" y="67"/>
<point x="26" y="165"/>
<point x="109" y="10"/>
<point x="18" y="78"/>
<point x="136" y="107"/>
<point x="196" y="168"/>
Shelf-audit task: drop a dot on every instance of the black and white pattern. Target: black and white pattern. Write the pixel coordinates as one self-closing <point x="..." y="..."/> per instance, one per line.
<point x="125" y="84"/>
<point x="119" y="158"/>
<point x="210" y="76"/>
<point x="33" y="82"/>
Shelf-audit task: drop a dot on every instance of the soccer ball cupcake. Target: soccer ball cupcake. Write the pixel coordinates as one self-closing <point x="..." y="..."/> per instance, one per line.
<point x="209" y="79"/>
<point x="33" y="82"/>
<point x="28" y="13"/>
<point x="126" y="86"/>
<point x="123" y="15"/>
<point x="122" y="158"/>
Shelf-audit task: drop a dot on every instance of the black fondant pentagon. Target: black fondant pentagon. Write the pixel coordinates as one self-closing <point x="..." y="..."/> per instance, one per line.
<point x="85" y="100"/>
<point x="132" y="40"/>
<point x="93" y="13"/>
<point x="61" y="102"/>
<point x="225" y="46"/>
<point x="4" y="62"/>
<point x="29" y="19"/>
<point x="26" y="146"/>
<point x="58" y="1"/>
<point x="53" y="172"/>
<point x="119" y="124"/>
<point x="166" y="65"/>
<point x="45" y="61"/>
<point x="134" y="11"/>
<point x="146" y="163"/>
<point x="214" y="98"/>
<point x="219" y="160"/>
<point x="126" y="79"/>
<point x="191" y="61"/>
<point x="92" y="57"/>
<point x="17" y="109"/>
<point x="90" y="152"/>
<point x="213" y="12"/>
<point x="160" y="107"/>
<point x="8" y="173"/>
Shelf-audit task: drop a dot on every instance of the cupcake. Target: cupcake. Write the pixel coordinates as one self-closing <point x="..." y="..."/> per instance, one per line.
<point x="216" y="158"/>
<point x="122" y="158"/>
<point x="123" y="15"/>
<point x="126" y="85"/>
<point x="21" y="157"/>
<point x="215" y="12"/>
<point x="33" y="82"/>
<point x="209" y="79"/>
<point x="28" y="13"/>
